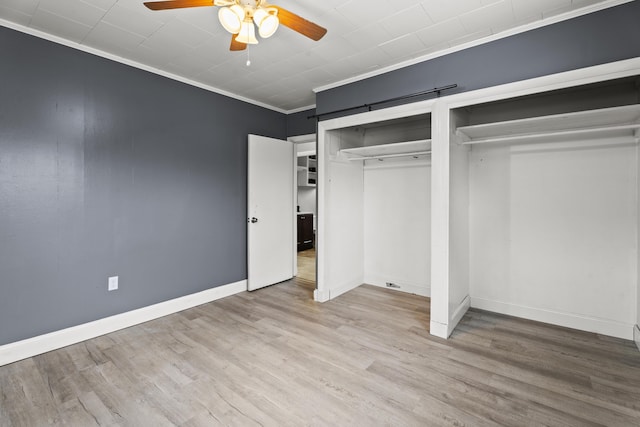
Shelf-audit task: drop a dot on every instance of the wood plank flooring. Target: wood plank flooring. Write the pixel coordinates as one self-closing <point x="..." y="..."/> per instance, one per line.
<point x="307" y="265"/>
<point x="276" y="358"/>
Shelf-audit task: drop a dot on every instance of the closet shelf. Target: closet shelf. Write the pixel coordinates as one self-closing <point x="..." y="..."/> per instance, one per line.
<point x="398" y="149"/>
<point x="606" y="122"/>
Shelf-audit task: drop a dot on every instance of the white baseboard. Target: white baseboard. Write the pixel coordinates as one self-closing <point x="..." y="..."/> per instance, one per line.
<point x="336" y="292"/>
<point x="444" y="331"/>
<point x="324" y="295"/>
<point x="438" y="330"/>
<point x="636" y="335"/>
<point x="569" y="320"/>
<point x="19" y="350"/>
<point x="320" y="296"/>
<point x="424" y="291"/>
<point x="460" y="311"/>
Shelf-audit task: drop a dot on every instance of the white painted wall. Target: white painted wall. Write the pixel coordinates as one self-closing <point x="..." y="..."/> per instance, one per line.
<point x="343" y="209"/>
<point x="553" y="233"/>
<point x="439" y="324"/>
<point x="458" y="229"/>
<point x="307" y="201"/>
<point x="636" y="330"/>
<point x="397" y="225"/>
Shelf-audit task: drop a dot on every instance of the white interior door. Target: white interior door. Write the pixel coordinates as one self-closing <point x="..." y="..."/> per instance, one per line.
<point x="270" y="216"/>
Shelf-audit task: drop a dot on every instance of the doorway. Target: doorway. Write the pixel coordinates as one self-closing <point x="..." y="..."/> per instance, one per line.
<point x="306" y="211"/>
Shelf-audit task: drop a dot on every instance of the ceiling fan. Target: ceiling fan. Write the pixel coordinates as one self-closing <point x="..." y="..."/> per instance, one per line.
<point x="238" y="17"/>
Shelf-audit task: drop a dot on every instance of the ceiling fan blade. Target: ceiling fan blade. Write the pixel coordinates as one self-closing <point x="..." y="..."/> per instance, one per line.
<point x="177" y="4"/>
<point x="236" y="45"/>
<point x="299" y="24"/>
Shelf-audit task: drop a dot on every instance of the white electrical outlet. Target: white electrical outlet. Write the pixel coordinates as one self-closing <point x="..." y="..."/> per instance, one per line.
<point x="113" y="283"/>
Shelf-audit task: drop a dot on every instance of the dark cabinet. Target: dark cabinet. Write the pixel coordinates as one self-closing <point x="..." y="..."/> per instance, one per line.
<point x="305" y="231"/>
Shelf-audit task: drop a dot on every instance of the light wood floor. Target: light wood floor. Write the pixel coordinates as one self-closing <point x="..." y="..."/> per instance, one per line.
<point x="307" y="265"/>
<point x="274" y="357"/>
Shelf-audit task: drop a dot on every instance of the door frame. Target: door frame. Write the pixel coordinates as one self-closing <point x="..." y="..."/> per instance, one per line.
<point x="299" y="139"/>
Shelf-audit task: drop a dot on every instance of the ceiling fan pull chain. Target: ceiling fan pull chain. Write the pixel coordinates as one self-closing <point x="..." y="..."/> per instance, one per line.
<point x="248" y="57"/>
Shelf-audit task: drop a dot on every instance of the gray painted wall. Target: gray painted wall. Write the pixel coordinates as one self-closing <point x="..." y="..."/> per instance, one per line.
<point x="109" y="170"/>
<point x="300" y="124"/>
<point x="609" y="35"/>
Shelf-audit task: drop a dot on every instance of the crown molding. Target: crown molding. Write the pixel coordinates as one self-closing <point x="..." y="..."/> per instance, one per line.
<point x="134" y="64"/>
<point x="501" y="35"/>
<point x="299" y="109"/>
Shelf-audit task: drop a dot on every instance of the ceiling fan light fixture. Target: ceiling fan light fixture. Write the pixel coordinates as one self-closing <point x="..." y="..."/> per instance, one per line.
<point x="247" y="33"/>
<point x="267" y="23"/>
<point x="231" y="18"/>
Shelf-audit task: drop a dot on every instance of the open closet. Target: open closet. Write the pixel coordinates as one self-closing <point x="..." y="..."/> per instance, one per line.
<point x="551" y="201"/>
<point x="374" y="202"/>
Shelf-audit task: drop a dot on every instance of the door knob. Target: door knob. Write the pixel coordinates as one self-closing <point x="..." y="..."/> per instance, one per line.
<point x="254" y="220"/>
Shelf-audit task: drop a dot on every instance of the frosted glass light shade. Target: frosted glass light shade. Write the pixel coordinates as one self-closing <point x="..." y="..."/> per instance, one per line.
<point x="247" y="33"/>
<point x="231" y="18"/>
<point x="267" y="23"/>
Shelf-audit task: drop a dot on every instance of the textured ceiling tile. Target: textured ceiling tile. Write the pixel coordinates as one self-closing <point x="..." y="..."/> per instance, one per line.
<point x="59" y="26"/>
<point x="369" y="36"/>
<point x="500" y="13"/>
<point x="210" y="52"/>
<point x="183" y="32"/>
<point x="526" y="8"/>
<point x="406" y="21"/>
<point x="337" y="48"/>
<point x="153" y="57"/>
<point x="205" y="18"/>
<point x="335" y="22"/>
<point x="442" y="32"/>
<point x="133" y="21"/>
<point x="370" y="59"/>
<point x="74" y="10"/>
<point x="360" y="13"/>
<point x="105" y="36"/>
<point x="306" y="60"/>
<point x="341" y="69"/>
<point x="402" y="47"/>
<point x="471" y="37"/>
<point x="102" y="4"/>
<point x="15" y="16"/>
<point x="441" y="10"/>
<point x="24" y="6"/>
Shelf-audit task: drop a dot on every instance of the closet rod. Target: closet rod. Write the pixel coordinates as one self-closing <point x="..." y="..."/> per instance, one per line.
<point x="386" y="156"/>
<point x="437" y="90"/>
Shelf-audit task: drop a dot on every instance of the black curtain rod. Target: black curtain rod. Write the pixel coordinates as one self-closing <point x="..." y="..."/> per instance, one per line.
<point x="437" y="90"/>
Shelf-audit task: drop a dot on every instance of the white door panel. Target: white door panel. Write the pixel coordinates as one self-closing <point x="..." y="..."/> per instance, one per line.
<point x="271" y="211"/>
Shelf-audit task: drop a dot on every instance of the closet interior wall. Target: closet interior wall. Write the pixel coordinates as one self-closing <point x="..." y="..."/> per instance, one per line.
<point x="378" y="209"/>
<point x="343" y="185"/>
<point x="397" y="210"/>
<point x="553" y="220"/>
